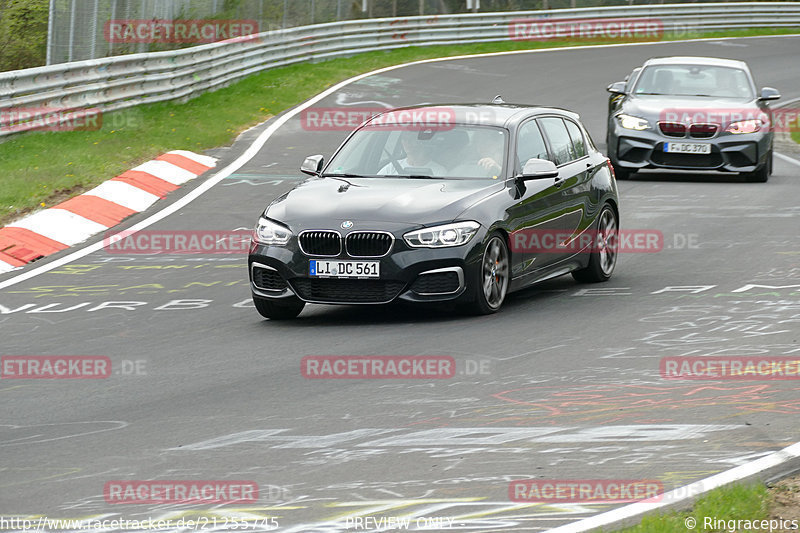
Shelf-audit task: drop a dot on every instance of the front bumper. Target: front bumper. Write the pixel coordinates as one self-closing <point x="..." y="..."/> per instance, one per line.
<point x="635" y="150"/>
<point x="410" y="274"/>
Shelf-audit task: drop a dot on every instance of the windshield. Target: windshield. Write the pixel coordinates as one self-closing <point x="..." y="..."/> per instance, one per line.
<point x="457" y="151"/>
<point x="694" y="80"/>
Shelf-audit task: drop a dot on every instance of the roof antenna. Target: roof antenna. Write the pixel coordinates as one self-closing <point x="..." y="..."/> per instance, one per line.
<point x="498" y="100"/>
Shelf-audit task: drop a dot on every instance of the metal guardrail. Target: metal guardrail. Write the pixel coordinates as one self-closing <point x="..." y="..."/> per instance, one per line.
<point x="56" y="94"/>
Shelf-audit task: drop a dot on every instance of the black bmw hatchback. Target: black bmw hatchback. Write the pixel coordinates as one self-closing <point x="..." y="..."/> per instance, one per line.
<point x="430" y="204"/>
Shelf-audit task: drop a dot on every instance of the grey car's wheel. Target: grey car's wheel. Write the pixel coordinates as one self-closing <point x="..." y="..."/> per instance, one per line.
<point x="762" y="174"/>
<point x="605" y="248"/>
<point x="492" y="280"/>
<point x="283" y="309"/>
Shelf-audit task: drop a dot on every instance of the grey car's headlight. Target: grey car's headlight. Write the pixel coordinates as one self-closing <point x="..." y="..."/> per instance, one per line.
<point x="632" y="123"/>
<point x="745" y="126"/>
<point x="268" y="232"/>
<point x="443" y="236"/>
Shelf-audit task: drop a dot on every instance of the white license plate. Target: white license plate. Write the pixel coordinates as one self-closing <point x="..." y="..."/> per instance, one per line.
<point x="345" y="269"/>
<point x="687" y="148"/>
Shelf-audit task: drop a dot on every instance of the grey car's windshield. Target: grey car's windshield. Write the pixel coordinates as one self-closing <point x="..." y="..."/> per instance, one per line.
<point x="451" y="152"/>
<point x="694" y="80"/>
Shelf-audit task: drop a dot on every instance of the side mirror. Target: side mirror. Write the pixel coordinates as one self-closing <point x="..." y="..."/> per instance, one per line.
<point x="618" y="87"/>
<point x="313" y="165"/>
<point x="539" y="168"/>
<point x="768" y="93"/>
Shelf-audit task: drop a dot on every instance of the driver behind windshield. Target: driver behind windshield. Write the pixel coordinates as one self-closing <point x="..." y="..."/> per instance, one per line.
<point x="418" y="160"/>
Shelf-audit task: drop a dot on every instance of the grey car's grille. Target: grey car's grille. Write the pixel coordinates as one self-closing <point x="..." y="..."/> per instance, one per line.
<point x="322" y="243"/>
<point x="702" y="131"/>
<point x="347" y="290"/>
<point x="712" y="160"/>
<point x="672" y="129"/>
<point x="368" y="244"/>
<point x="696" y="131"/>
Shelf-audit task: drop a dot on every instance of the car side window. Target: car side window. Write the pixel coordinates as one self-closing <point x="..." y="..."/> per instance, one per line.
<point x="559" y="138"/>
<point x="631" y="79"/>
<point x="578" y="144"/>
<point x="530" y="143"/>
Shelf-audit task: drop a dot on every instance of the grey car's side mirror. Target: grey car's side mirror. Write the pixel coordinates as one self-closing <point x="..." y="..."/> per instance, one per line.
<point x="618" y="87"/>
<point x="769" y="93"/>
<point x="538" y="169"/>
<point x="313" y="165"/>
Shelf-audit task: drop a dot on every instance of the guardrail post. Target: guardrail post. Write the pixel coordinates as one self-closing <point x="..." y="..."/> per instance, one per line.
<point x="50" y="24"/>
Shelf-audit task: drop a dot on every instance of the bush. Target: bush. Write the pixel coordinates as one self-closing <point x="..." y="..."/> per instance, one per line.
<point x="23" y="33"/>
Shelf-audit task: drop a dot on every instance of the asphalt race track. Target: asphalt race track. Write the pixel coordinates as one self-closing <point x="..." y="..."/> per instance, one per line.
<point x="563" y="383"/>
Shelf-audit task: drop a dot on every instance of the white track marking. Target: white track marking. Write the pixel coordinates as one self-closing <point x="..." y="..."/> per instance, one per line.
<point x="197" y="158"/>
<point x="787" y="159"/>
<point x="166" y="171"/>
<point x="124" y="194"/>
<point x="60" y="225"/>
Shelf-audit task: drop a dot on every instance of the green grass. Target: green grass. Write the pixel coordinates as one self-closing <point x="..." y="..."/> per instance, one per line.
<point x="40" y="169"/>
<point x="734" y="502"/>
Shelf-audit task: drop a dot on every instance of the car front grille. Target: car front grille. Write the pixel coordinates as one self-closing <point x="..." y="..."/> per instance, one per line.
<point x="672" y="129"/>
<point x="368" y="244"/>
<point x="267" y="279"/>
<point x="321" y="243"/>
<point x="696" y="131"/>
<point x="712" y="160"/>
<point x="702" y="131"/>
<point x="436" y="283"/>
<point x="347" y="290"/>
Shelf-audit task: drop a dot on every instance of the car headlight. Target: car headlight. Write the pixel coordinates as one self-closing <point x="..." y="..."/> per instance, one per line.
<point x="632" y="123"/>
<point x="268" y="232"/>
<point x="745" y="126"/>
<point x="454" y="234"/>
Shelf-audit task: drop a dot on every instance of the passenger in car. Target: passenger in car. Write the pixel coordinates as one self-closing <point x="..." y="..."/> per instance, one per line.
<point x="483" y="156"/>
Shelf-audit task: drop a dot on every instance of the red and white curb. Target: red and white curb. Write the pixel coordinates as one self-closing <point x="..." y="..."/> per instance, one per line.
<point x="71" y="222"/>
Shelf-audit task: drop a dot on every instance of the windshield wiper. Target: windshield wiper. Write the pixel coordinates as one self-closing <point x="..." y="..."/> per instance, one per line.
<point x="345" y="175"/>
<point x="419" y="177"/>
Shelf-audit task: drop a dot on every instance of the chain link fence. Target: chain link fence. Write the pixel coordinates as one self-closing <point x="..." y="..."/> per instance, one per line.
<point x="79" y="29"/>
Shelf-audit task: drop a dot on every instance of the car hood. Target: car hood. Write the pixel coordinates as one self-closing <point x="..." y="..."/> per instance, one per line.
<point x="327" y="202"/>
<point x="696" y="108"/>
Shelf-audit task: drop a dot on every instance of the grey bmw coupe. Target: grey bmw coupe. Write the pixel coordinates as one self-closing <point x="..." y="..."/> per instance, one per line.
<point x="691" y="113"/>
<point x="460" y="203"/>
